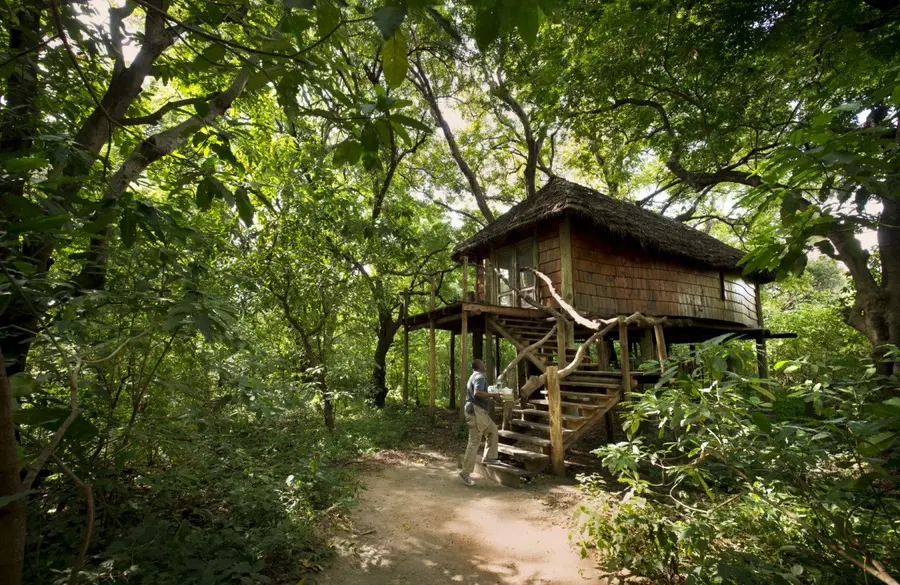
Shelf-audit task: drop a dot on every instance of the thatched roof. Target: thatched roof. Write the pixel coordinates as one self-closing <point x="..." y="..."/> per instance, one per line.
<point x="620" y="219"/>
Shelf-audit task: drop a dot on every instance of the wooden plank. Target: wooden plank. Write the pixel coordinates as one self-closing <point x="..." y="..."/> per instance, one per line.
<point x="432" y="358"/>
<point x="557" y="452"/>
<point x="524" y="438"/>
<point x="505" y="311"/>
<point x="582" y="405"/>
<point x="537" y="426"/>
<point x="522" y="454"/>
<point x="624" y="360"/>
<point x="586" y="395"/>
<point x="546" y="413"/>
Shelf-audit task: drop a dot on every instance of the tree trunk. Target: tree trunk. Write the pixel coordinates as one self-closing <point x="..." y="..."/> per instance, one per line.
<point x="387" y="328"/>
<point x="12" y="515"/>
<point x="327" y="404"/>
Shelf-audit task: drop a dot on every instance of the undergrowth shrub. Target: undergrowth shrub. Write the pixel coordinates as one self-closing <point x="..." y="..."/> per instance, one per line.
<point x="240" y="500"/>
<point x="719" y="487"/>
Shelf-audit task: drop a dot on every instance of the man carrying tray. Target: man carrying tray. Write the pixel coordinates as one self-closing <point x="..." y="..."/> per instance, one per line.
<point x="479" y="421"/>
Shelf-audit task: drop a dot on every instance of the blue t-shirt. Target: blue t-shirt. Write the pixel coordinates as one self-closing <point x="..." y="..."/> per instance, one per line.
<point x="477" y="382"/>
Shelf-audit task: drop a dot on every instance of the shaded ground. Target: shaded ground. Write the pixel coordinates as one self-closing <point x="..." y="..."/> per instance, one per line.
<point x="418" y="523"/>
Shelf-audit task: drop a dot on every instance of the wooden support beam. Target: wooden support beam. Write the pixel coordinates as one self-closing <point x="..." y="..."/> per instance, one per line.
<point x="661" y="353"/>
<point x="432" y="359"/>
<point x="624" y="360"/>
<point x="492" y="324"/>
<point x="557" y="449"/>
<point x="488" y="358"/>
<point x="646" y="345"/>
<point x="405" y="391"/>
<point x="562" y="342"/>
<point x="603" y="354"/>
<point x="452" y="401"/>
<point x="463" y="344"/>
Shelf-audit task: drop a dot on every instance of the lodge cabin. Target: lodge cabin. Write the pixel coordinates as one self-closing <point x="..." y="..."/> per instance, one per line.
<point x="666" y="283"/>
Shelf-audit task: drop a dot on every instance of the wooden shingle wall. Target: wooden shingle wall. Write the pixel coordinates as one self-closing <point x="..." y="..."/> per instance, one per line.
<point x="615" y="279"/>
<point x="549" y="259"/>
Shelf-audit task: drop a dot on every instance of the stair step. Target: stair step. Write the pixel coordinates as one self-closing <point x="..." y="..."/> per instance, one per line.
<point x="546" y="414"/>
<point x="536" y="426"/>
<point x="525" y="438"/>
<point x="588" y="384"/>
<point x="521" y="454"/>
<point x="573" y="394"/>
<point x="583" y="405"/>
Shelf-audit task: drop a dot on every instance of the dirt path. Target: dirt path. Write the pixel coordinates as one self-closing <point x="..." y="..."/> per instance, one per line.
<point x="418" y="524"/>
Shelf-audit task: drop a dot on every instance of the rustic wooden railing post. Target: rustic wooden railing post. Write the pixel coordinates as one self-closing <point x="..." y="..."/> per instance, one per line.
<point x="464" y="341"/>
<point x="661" y="353"/>
<point x="557" y="450"/>
<point x="624" y="360"/>
<point x="405" y="350"/>
<point x="432" y="358"/>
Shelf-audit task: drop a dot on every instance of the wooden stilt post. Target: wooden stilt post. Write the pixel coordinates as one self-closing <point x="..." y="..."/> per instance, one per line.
<point x="562" y="342"/>
<point x="604" y="361"/>
<point x="557" y="453"/>
<point x="624" y="360"/>
<point x="661" y="353"/>
<point x="499" y="358"/>
<point x="488" y="358"/>
<point x="646" y="345"/>
<point x="432" y="358"/>
<point x="405" y="350"/>
<point x="452" y="389"/>
<point x="464" y="342"/>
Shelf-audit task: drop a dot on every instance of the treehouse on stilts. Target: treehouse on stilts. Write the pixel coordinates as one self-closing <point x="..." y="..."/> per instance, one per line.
<point x="585" y="287"/>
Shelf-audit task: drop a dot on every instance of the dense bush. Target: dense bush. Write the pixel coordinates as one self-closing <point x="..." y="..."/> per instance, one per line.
<point x="721" y="490"/>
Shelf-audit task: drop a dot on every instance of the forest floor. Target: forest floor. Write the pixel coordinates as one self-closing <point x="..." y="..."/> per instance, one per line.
<point x="418" y="523"/>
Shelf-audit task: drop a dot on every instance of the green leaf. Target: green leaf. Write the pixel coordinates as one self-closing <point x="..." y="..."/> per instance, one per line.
<point x="47" y="223"/>
<point x="347" y="152"/>
<point x="211" y="56"/>
<point x="369" y="137"/>
<point x="444" y="23"/>
<point x="393" y="55"/>
<point x="762" y="421"/>
<point x="301" y="4"/>
<point x="244" y="205"/>
<point x="128" y="228"/>
<point x="27" y="163"/>
<point x="204" y="324"/>
<point x="204" y="195"/>
<point x="388" y="19"/>
<point x="487" y="27"/>
<point x="411" y="122"/>
<point x="22" y="384"/>
<point x="328" y="17"/>
<point x="527" y="21"/>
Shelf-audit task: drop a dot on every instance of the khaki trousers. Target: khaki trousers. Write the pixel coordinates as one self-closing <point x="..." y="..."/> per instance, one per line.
<point x="480" y="424"/>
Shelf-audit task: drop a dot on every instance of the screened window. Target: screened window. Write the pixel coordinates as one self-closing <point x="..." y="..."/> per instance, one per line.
<point x="514" y="264"/>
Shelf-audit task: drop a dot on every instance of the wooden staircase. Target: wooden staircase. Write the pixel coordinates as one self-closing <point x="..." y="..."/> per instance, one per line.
<point x="586" y="396"/>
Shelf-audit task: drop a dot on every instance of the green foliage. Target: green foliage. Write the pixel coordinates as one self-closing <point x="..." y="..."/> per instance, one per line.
<point x="720" y="490"/>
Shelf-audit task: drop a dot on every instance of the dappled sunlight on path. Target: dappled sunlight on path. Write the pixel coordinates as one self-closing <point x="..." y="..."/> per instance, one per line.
<point x="419" y="525"/>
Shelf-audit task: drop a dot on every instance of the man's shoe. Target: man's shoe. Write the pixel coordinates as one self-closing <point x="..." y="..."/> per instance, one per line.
<point x="466" y="479"/>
